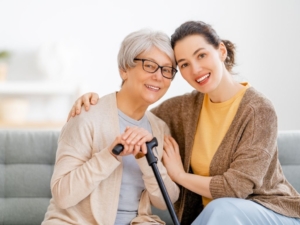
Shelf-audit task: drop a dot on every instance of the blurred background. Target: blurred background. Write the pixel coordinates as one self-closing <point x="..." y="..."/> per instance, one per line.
<point x="52" y="51"/>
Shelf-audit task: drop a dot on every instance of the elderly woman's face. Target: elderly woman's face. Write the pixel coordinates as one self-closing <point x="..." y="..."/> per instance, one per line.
<point x="148" y="87"/>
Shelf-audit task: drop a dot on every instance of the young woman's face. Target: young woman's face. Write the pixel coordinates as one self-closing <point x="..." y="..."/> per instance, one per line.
<point x="200" y="63"/>
<point x="146" y="87"/>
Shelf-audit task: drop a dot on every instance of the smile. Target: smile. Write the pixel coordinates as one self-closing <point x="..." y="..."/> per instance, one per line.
<point x="203" y="78"/>
<point x="152" y="87"/>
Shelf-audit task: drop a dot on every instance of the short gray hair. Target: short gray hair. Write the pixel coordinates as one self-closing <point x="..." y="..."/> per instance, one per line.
<point x="141" y="41"/>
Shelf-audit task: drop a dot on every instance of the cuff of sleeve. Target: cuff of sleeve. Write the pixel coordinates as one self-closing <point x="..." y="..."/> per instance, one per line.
<point x="216" y="187"/>
<point x="106" y="162"/>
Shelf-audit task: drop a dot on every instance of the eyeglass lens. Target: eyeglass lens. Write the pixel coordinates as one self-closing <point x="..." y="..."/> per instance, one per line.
<point x="152" y="67"/>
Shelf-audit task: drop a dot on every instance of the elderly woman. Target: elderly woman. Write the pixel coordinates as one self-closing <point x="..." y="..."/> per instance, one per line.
<point x="91" y="185"/>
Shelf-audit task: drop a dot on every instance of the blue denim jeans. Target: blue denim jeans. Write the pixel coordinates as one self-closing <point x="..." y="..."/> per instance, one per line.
<point x="235" y="211"/>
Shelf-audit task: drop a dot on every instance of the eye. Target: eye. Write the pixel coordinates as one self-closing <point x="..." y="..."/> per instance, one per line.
<point x="149" y="66"/>
<point x="183" y="65"/>
<point x="167" y="70"/>
<point x="201" y="56"/>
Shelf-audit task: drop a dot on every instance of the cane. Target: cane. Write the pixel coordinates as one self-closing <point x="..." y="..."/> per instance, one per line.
<point x="152" y="161"/>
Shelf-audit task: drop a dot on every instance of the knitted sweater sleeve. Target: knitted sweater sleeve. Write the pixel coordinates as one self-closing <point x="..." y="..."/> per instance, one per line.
<point x="255" y="146"/>
<point x="77" y="170"/>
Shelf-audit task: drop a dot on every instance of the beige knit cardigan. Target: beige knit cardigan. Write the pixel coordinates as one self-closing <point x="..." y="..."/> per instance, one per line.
<point x="86" y="180"/>
<point x="246" y="163"/>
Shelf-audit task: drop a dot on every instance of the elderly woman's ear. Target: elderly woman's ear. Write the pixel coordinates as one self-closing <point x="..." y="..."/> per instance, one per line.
<point x="123" y="74"/>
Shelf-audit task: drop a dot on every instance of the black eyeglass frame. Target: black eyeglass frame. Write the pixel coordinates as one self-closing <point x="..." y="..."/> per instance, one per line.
<point x="158" y="67"/>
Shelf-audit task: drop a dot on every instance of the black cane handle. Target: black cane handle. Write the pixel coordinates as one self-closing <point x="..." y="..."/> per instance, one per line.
<point x="118" y="149"/>
<point x="150" y="156"/>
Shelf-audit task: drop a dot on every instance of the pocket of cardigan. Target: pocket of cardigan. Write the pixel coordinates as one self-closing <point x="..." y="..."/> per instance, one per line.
<point x="145" y="216"/>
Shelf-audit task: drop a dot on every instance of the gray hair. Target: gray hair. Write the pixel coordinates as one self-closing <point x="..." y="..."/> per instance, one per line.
<point x="141" y="41"/>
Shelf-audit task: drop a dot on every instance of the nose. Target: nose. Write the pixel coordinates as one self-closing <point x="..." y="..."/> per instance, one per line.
<point x="158" y="74"/>
<point x="196" y="68"/>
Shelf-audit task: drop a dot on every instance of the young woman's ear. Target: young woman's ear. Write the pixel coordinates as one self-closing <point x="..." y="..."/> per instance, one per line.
<point x="222" y="51"/>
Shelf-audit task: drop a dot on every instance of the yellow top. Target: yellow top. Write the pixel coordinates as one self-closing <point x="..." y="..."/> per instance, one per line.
<point x="214" y="121"/>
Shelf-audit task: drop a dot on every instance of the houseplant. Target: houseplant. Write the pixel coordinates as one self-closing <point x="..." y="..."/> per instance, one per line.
<point x="4" y="55"/>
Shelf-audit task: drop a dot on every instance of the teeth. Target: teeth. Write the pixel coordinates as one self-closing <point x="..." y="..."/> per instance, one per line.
<point x="202" y="78"/>
<point x="152" y="87"/>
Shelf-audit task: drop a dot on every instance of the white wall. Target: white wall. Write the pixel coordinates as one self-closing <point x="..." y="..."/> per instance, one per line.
<point x="266" y="33"/>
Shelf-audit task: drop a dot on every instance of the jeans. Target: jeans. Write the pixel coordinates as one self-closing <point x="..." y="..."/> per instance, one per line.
<point x="235" y="211"/>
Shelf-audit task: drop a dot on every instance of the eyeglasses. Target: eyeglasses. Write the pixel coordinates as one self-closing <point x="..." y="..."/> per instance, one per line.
<point x="151" y="67"/>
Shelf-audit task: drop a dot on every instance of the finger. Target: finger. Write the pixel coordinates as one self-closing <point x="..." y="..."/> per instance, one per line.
<point x="128" y="150"/>
<point x="136" y="149"/>
<point x="167" y="144"/>
<point x="86" y="101"/>
<point x="144" y="148"/>
<point x="94" y="98"/>
<point x="165" y="157"/>
<point x="129" y="134"/>
<point x="77" y="106"/>
<point x="146" y="138"/>
<point x="174" y="144"/>
<point x="131" y="149"/>
<point x="71" y="114"/>
<point x="166" y="149"/>
<point x="142" y="140"/>
<point x="132" y="137"/>
<point x="136" y="136"/>
<point x="141" y="137"/>
<point x="125" y="149"/>
<point x="73" y="111"/>
<point x="126" y="133"/>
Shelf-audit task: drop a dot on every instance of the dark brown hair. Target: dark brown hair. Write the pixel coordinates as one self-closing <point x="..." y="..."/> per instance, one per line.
<point x="210" y="35"/>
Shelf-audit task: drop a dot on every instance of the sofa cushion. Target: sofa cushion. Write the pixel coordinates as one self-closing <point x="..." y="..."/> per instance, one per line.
<point x="26" y="166"/>
<point x="289" y="156"/>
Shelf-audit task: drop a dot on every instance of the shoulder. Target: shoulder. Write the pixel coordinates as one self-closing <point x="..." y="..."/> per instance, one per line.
<point x="257" y="108"/>
<point x="102" y="110"/>
<point x="188" y="98"/>
<point x="176" y="104"/>
<point x="256" y="101"/>
<point x="88" y="125"/>
<point x="104" y="104"/>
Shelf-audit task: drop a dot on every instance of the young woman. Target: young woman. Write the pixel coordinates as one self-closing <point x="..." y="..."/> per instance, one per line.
<point x="91" y="185"/>
<point x="226" y="159"/>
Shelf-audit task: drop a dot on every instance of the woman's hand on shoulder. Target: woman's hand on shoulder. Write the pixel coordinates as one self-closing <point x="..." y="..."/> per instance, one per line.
<point x="90" y="98"/>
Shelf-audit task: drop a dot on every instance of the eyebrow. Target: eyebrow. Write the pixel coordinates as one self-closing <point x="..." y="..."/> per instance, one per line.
<point x="195" y="52"/>
<point x="166" y="64"/>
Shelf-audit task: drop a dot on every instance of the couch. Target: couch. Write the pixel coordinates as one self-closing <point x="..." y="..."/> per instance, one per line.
<point x="26" y="166"/>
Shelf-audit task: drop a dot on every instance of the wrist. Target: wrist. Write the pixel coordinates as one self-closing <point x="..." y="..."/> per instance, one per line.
<point x="179" y="177"/>
<point x="110" y="151"/>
